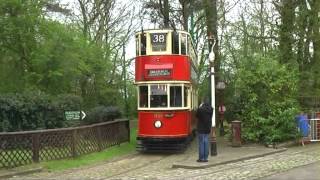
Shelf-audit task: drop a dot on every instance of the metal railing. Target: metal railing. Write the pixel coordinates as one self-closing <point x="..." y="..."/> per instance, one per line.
<point x="314" y="129"/>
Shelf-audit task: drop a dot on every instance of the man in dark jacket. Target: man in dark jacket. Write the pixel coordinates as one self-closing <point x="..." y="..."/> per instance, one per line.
<point x="204" y="115"/>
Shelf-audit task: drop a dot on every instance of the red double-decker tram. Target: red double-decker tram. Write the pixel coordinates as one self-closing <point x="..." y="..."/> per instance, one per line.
<point x="166" y="79"/>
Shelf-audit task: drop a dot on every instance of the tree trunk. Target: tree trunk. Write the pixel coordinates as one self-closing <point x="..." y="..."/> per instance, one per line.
<point x="287" y="8"/>
<point x="212" y="29"/>
<point x="166" y="13"/>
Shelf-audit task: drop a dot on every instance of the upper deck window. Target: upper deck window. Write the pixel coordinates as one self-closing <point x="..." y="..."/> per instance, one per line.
<point x="137" y="45"/>
<point x="183" y="44"/>
<point x="159" y="41"/>
<point x="175" y="43"/>
<point x="164" y="42"/>
<point x="143" y="43"/>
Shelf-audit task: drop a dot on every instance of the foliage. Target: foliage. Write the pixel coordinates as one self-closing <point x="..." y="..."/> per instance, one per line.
<point x="29" y="111"/>
<point x="102" y="114"/>
<point x="51" y="58"/>
<point x="265" y="94"/>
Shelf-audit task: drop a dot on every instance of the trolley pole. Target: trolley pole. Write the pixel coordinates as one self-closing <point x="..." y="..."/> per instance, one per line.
<point x="213" y="140"/>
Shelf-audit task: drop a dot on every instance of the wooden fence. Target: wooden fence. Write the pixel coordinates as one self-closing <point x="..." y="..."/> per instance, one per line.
<point x="20" y="148"/>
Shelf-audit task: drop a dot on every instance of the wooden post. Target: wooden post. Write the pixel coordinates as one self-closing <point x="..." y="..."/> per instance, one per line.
<point x="128" y="128"/>
<point x="119" y="132"/>
<point x="73" y="143"/>
<point x="35" y="147"/>
<point x="99" y="136"/>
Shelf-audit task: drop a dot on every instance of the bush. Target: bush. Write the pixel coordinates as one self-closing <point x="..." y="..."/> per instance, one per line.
<point x="102" y="114"/>
<point x="31" y="111"/>
<point x="265" y="100"/>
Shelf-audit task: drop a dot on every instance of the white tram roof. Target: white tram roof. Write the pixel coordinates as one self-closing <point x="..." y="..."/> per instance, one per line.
<point x="162" y="30"/>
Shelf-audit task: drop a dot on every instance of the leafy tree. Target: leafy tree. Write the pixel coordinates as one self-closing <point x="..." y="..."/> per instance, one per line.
<point x="265" y="94"/>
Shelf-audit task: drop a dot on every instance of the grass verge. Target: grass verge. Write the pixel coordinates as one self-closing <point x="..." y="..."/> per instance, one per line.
<point x="93" y="158"/>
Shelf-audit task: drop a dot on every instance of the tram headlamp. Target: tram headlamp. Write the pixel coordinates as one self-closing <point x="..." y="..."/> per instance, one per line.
<point x="157" y="124"/>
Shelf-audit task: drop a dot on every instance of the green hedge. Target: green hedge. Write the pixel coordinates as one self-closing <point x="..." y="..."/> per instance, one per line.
<point x="102" y="114"/>
<point x="31" y="111"/>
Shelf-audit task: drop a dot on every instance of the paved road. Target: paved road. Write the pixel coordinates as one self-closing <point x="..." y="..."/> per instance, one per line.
<point x="308" y="172"/>
<point x="250" y="169"/>
<point x="158" y="166"/>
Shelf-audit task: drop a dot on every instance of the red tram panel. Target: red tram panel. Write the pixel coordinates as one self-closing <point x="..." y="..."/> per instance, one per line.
<point x="175" y="124"/>
<point x="165" y="76"/>
<point x="179" y="67"/>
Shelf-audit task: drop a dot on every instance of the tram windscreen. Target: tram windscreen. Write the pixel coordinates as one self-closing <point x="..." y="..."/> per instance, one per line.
<point x="175" y="96"/>
<point x="143" y="99"/>
<point x="158" y="95"/>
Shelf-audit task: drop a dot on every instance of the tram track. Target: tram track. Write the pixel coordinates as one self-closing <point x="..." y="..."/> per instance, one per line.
<point x="140" y="167"/>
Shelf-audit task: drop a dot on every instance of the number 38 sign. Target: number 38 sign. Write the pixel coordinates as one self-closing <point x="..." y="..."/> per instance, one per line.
<point x="158" y="38"/>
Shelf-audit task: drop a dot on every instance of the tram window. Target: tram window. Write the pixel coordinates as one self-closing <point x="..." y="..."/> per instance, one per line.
<point x="183" y="44"/>
<point x="175" y="43"/>
<point x="186" y="95"/>
<point x="143" y="44"/>
<point x="143" y="93"/>
<point x="137" y="45"/>
<point x="159" y="41"/>
<point x="175" y="96"/>
<point x="190" y="48"/>
<point x="158" y="95"/>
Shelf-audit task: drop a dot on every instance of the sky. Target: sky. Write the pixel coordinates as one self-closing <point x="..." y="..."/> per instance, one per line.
<point x="130" y="48"/>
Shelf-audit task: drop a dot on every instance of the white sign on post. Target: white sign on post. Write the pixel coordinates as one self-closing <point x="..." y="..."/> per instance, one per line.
<point x="74" y="115"/>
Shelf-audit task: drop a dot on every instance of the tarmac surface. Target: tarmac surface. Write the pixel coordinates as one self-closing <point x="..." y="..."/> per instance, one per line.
<point x="307" y="172"/>
<point x="246" y="162"/>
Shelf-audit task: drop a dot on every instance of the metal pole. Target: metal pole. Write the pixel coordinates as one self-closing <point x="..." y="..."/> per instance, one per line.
<point x="213" y="140"/>
<point x="213" y="104"/>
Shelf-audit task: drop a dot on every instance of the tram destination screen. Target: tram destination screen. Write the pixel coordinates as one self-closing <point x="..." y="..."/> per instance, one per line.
<point x="159" y="72"/>
<point x="159" y="41"/>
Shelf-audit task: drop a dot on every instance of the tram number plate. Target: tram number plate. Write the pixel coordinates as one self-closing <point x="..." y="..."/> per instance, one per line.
<point x="158" y="38"/>
<point x="159" y="72"/>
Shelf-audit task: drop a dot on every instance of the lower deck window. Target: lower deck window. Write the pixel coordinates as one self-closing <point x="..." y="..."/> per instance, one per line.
<point x="143" y="99"/>
<point x="164" y="96"/>
<point x="175" y="96"/>
<point x="158" y="96"/>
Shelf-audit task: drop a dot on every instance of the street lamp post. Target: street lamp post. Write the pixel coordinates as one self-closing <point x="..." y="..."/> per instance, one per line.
<point x="213" y="104"/>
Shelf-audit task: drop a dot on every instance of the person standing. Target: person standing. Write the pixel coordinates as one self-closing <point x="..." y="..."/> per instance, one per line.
<point x="303" y="127"/>
<point x="204" y="116"/>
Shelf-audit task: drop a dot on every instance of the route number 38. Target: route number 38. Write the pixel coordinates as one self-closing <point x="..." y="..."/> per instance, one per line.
<point x="159" y="38"/>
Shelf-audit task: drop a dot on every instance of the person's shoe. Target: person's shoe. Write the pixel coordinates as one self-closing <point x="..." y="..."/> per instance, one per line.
<point x="199" y="160"/>
<point x="205" y="160"/>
